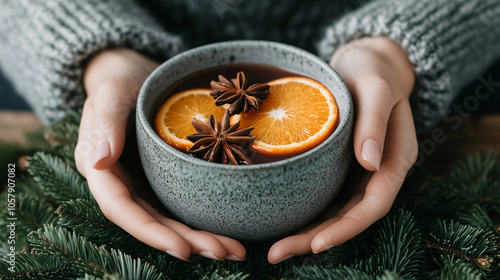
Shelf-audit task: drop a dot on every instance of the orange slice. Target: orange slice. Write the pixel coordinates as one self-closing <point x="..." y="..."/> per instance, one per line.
<point x="298" y="115"/>
<point x="173" y="121"/>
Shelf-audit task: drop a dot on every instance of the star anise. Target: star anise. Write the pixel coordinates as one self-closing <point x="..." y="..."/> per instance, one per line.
<point x="233" y="92"/>
<point x="221" y="142"/>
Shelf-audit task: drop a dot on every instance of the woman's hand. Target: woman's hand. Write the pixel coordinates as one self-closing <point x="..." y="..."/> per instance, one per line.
<point x="380" y="77"/>
<point x="112" y="81"/>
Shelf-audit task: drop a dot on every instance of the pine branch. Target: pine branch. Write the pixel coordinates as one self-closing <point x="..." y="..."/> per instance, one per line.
<point x="478" y="217"/>
<point x="320" y="273"/>
<point x="66" y="130"/>
<point x="392" y="248"/>
<point x="87" y="219"/>
<point x="389" y="275"/>
<point x="216" y="275"/>
<point x="87" y="257"/>
<point x="173" y="267"/>
<point x="475" y="167"/>
<point x="430" y="199"/>
<point x="31" y="213"/>
<point x="453" y="267"/>
<point x="470" y="243"/>
<point x="349" y="252"/>
<point x="61" y="243"/>
<point x="26" y="184"/>
<point x="128" y="268"/>
<point x="66" y="152"/>
<point x="472" y="182"/>
<point x="398" y="247"/>
<point x="204" y="268"/>
<point x="36" y="266"/>
<point x="10" y="153"/>
<point x="91" y="277"/>
<point x="57" y="178"/>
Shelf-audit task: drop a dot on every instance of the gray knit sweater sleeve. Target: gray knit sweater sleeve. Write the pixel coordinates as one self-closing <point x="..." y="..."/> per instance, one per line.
<point x="449" y="42"/>
<point x="44" y="45"/>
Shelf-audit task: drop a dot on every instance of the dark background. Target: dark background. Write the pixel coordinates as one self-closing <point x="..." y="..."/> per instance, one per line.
<point x="9" y="99"/>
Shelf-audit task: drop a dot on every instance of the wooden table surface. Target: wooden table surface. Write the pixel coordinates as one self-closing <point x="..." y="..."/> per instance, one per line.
<point x="475" y="133"/>
<point x="14" y="125"/>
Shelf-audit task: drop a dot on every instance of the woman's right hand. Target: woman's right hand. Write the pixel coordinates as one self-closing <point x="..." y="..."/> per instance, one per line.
<point x="112" y="81"/>
<point x="380" y="77"/>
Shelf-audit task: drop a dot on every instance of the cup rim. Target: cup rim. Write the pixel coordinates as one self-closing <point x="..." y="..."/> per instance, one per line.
<point x="160" y="70"/>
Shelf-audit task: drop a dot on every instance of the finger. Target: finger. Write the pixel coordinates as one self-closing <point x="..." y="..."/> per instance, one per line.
<point x="351" y="193"/>
<point x="84" y="147"/>
<point x="114" y="100"/>
<point x="374" y="102"/>
<point x="300" y="243"/>
<point x="117" y="205"/>
<point x="201" y="243"/>
<point x="290" y="246"/>
<point x="382" y="187"/>
<point x="234" y="250"/>
<point x="119" y="171"/>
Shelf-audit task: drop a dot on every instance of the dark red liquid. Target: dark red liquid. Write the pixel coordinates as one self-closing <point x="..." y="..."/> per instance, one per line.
<point x="255" y="73"/>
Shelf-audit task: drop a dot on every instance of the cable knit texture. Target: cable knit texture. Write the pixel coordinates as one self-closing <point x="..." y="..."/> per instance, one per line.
<point x="44" y="45"/>
<point x="449" y="42"/>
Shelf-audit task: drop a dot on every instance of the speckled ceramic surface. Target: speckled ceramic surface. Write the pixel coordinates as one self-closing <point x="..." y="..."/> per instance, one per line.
<point x="253" y="202"/>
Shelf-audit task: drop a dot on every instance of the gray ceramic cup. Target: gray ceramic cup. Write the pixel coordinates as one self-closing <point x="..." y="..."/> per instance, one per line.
<point x="250" y="202"/>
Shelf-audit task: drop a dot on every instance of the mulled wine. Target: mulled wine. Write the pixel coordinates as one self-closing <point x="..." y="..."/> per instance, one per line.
<point x="295" y="115"/>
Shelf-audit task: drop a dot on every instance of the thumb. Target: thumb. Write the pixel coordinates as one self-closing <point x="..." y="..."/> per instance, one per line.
<point x="374" y="102"/>
<point x="114" y="101"/>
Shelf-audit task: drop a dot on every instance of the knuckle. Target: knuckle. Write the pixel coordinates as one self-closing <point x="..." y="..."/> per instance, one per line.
<point x="108" y="211"/>
<point x="384" y="210"/>
<point x="382" y="87"/>
<point x="103" y="124"/>
<point x="89" y="102"/>
<point x="378" y="120"/>
<point x="382" y="204"/>
<point x="413" y="151"/>
<point x="82" y="150"/>
<point x="378" y="124"/>
<point x="114" y="85"/>
<point x="376" y="85"/>
<point x="126" y="93"/>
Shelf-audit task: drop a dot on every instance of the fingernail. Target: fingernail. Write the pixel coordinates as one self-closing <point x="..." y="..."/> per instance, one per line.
<point x="175" y="254"/>
<point x="233" y="258"/>
<point x="324" y="248"/>
<point x="321" y="245"/>
<point x="284" y="258"/>
<point x="102" y="151"/>
<point x="209" y="255"/>
<point x="371" y="153"/>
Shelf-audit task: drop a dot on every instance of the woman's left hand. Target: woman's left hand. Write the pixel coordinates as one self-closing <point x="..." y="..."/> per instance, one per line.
<point x="380" y="77"/>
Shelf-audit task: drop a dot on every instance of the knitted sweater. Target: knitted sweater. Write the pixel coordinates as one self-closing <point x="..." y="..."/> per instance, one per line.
<point x="44" y="45"/>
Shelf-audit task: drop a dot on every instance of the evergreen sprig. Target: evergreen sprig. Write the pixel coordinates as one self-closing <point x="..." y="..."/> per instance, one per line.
<point x="87" y="257"/>
<point x="444" y="227"/>
<point x="31" y="212"/>
<point x="465" y="241"/>
<point x="57" y="178"/>
<point x="65" y="131"/>
<point x="456" y="268"/>
<point x="37" y="266"/>
<point x="86" y="218"/>
<point x="396" y="248"/>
